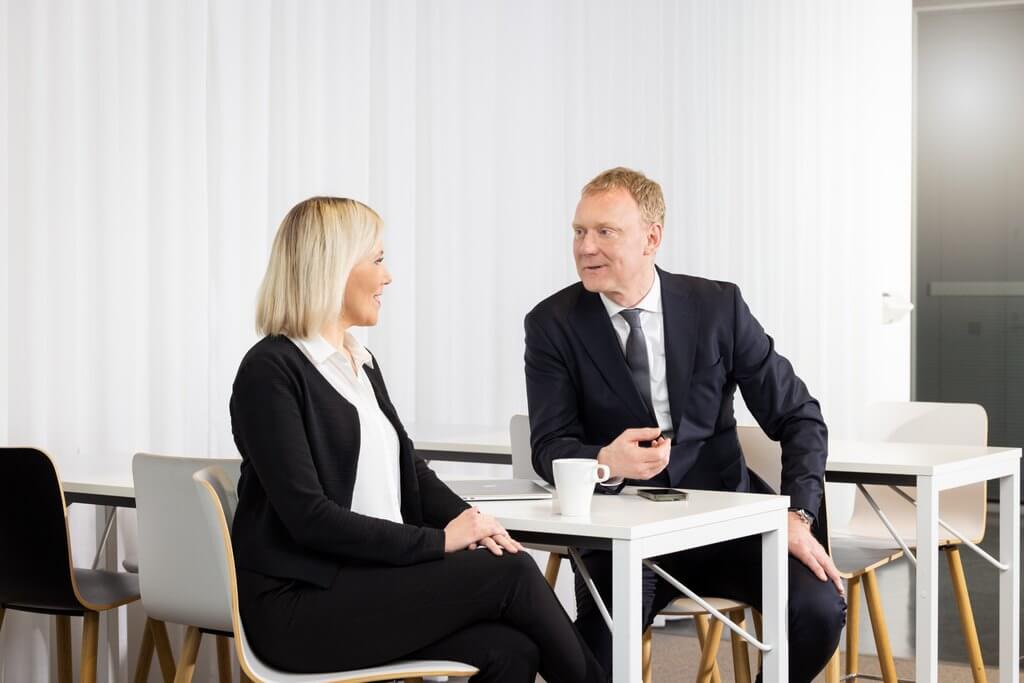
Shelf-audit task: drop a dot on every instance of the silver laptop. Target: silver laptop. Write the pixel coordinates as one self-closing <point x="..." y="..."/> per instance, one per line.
<point x="498" y="489"/>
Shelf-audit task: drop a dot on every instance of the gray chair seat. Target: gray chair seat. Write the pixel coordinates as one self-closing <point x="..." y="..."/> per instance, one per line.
<point x="685" y="607"/>
<point x="106" y="589"/>
<point x="854" y="560"/>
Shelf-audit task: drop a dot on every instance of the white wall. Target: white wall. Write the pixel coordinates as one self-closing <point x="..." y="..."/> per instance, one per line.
<point x="151" y="148"/>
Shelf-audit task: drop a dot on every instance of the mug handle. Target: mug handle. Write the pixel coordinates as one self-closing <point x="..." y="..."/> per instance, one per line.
<point x="598" y="476"/>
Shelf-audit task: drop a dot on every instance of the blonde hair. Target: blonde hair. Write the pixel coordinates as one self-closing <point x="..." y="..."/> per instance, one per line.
<point x="315" y="249"/>
<point x="646" y="192"/>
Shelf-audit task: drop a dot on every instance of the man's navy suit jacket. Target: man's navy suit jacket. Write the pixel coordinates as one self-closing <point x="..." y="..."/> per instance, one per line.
<point x="582" y="396"/>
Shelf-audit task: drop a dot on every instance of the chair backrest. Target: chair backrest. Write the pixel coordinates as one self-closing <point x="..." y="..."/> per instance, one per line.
<point x="763" y="455"/>
<point x="522" y="455"/>
<point x="217" y="501"/>
<point x="178" y="582"/>
<point x="918" y="422"/>
<point x="764" y="458"/>
<point x="965" y="424"/>
<point x="35" y="556"/>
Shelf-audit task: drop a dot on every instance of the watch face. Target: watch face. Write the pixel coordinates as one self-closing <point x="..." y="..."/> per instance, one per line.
<point x="803" y="515"/>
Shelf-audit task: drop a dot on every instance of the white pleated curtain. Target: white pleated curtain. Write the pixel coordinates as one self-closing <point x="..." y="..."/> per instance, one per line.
<point x="151" y="148"/>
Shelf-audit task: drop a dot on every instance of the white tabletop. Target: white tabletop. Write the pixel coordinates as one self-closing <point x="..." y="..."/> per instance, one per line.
<point x="119" y="485"/>
<point x="461" y="438"/>
<point x="913" y="459"/>
<point x="628" y="516"/>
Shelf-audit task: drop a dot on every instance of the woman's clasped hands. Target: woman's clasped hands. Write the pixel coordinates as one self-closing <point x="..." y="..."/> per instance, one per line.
<point x="473" y="529"/>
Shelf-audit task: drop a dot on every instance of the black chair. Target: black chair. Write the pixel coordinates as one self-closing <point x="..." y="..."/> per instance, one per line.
<point x="36" y="570"/>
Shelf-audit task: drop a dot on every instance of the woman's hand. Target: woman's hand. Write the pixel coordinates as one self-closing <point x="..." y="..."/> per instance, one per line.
<point x="496" y="543"/>
<point x="473" y="528"/>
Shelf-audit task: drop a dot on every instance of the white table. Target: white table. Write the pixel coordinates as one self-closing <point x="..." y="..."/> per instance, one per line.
<point x="933" y="468"/>
<point x="634" y="529"/>
<point x="111" y="490"/>
<point x="463" y="443"/>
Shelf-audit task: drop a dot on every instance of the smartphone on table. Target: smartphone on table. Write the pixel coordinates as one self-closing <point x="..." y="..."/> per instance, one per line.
<point x="662" y="494"/>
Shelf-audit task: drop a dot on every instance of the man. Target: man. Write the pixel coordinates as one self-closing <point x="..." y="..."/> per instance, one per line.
<point x="637" y="367"/>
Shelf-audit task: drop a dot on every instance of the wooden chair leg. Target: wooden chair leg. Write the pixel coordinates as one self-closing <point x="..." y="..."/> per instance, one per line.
<point x="852" y="626"/>
<point x="707" y="669"/>
<point x="879" y="628"/>
<point x="832" y="668"/>
<point x="645" y="655"/>
<point x="963" y="603"/>
<point x="64" y="649"/>
<point x="162" y="645"/>
<point x="223" y="659"/>
<point x="90" y="646"/>
<point x="189" y="653"/>
<point x="740" y="655"/>
<point x="551" y="570"/>
<point x="759" y="631"/>
<point x="145" y="654"/>
<point x="704" y="630"/>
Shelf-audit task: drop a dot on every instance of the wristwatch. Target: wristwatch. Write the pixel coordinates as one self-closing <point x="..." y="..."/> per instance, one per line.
<point x="804" y="515"/>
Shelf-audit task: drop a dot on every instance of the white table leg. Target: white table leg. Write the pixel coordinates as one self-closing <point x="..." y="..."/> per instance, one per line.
<point x="112" y="657"/>
<point x="927" y="622"/>
<point x="1009" y="581"/>
<point x="627" y="612"/>
<point x="775" y="600"/>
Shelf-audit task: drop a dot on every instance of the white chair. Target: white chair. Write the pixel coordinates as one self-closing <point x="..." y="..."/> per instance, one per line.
<point x="963" y="508"/>
<point x="178" y="583"/>
<point x="217" y="501"/>
<point x="856" y="565"/>
<point x="709" y="634"/>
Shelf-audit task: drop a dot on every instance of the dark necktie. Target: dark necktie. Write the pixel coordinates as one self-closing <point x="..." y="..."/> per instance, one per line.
<point x="636" y="355"/>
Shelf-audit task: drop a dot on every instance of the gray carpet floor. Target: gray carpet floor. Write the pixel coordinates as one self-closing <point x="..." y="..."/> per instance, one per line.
<point x="675" y="654"/>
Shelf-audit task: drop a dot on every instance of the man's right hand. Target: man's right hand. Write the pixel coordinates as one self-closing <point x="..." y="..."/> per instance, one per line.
<point x="626" y="458"/>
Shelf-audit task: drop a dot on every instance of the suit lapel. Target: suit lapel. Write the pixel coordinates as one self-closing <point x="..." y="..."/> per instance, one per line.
<point x="681" y="317"/>
<point x="594" y="328"/>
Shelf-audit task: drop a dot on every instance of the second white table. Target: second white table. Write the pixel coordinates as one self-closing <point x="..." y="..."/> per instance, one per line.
<point x="933" y="468"/>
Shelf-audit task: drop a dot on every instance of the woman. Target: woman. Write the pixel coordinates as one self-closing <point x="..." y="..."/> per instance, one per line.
<point x="350" y="551"/>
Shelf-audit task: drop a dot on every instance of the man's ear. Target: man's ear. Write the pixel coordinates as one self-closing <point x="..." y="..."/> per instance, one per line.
<point x="654" y="233"/>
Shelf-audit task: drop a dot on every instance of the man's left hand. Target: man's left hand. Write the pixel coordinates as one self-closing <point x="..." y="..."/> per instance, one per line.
<point x="805" y="547"/>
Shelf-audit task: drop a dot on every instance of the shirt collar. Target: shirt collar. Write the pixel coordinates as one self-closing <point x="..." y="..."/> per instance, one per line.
<point x="650" y="303"/>
<point x="319" y="349"/>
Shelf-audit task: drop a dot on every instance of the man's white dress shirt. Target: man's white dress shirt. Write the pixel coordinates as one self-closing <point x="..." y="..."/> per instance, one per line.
<point x="652" y="320"/>
<point x="653" y="324"/>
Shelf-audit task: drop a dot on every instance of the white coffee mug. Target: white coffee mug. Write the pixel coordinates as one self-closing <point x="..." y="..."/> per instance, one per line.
<point x="574" y="484"/>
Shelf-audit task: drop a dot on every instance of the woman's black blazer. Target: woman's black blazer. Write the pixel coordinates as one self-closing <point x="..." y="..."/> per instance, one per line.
<point x="299" y="441"/>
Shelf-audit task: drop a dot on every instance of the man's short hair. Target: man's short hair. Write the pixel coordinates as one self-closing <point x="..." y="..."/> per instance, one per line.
<point x="644" y="191"/>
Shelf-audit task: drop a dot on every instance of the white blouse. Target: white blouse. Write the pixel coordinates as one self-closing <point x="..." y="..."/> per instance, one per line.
<point x="377" y="491"/>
